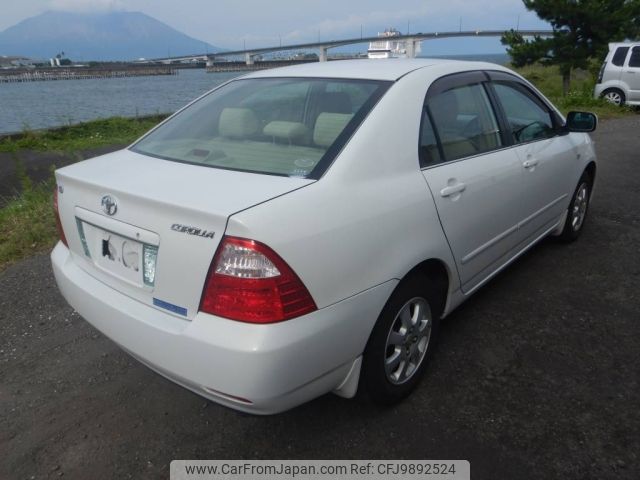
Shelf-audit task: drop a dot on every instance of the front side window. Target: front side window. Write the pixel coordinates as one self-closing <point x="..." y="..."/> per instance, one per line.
<point x="464" y="122"/>
<point x="279" y="126"/>
<point x="620" y="56"/>
<point x="527" y="116"/>
<point x="634" y="61"/>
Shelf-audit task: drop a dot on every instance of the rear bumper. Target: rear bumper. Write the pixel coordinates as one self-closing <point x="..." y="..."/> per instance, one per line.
<point x="599" y="88"/>
<point x="260" y="369"/>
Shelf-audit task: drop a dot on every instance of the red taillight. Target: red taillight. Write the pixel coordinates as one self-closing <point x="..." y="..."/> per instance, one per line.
<point x="57" y="215"/>
<point x="249" y="282"/>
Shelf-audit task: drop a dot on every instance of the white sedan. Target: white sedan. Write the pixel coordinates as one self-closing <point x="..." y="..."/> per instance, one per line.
<point x="304" y="230"/>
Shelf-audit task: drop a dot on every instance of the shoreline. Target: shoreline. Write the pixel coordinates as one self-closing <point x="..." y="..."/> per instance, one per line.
<point x="52" y="74"/>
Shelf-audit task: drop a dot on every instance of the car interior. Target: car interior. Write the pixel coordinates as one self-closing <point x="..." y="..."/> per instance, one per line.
<point x="283" y="130"/>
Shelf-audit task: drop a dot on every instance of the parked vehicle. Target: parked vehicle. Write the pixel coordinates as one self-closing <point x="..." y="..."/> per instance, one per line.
<point x="619" y="77"/>
<point x="303" y="230"/>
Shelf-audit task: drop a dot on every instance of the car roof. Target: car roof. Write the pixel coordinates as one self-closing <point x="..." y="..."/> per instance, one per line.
<point x="371" y="69"/>
<point x="623" y="44"/>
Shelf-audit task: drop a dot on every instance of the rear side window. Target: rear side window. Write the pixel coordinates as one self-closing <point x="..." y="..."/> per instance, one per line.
<point x="429" y="151"/>
<point x="619" y="56"/>
<point x="278" y="126"/>
<point x="527" y="116"/>
<point x="634" y="61"/>
<point x="464" y="122"/>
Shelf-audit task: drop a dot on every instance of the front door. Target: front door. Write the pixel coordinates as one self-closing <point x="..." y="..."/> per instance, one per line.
<point x="631" y="75"/>
<point x="548" y="159"/>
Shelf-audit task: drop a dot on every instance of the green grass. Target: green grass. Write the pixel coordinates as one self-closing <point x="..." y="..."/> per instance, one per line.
<point x="83" y="136"/>
<point x="549" y="81"/>
<point x="27" y="224"/>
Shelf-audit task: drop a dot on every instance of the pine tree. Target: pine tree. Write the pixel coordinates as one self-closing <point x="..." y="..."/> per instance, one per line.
<point x="581" y="31"/>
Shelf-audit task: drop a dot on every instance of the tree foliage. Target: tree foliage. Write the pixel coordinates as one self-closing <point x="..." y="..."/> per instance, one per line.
<point x="581" y="31"/>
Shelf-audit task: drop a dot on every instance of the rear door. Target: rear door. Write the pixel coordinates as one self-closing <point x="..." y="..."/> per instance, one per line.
<point x="631" y="74"/>
<point x="475" y="180"/>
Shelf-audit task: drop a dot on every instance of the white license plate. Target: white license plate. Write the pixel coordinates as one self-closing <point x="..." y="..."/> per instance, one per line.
<point x="117" y="255"/>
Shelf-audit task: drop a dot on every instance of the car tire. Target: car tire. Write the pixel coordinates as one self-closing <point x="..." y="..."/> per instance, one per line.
<point x="614" y="95"/>
<point x="577" y="211"/>
<point x="401" y="342"/>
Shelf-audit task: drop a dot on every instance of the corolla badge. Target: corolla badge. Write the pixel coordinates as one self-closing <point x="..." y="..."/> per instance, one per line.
<point x="109" y="205"/>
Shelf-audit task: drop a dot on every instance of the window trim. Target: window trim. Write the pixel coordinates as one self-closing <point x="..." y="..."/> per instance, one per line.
<point x="519" y="87"/>
<point x="624" y="59"/>
<point x="630" y="56"/>
<point x="426" y="111"/>
<point x="497" y="75"/>
<point x="486" y="78"/>
<point x="450" y="82"/>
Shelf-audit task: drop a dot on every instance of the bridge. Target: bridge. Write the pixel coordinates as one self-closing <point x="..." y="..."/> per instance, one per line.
<point x="412" y="41"/>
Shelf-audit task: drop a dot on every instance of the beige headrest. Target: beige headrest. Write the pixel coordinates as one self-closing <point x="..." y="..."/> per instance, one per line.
<point x="237" y="123"/>
<point x="292" y="131"/>
<point x="328" y="127"/>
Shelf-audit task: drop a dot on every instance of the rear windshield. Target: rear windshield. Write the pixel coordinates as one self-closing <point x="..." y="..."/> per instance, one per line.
<point x="278" y="126"/>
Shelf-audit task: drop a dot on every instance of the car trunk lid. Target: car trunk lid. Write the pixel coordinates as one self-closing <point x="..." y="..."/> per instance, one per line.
<point x="149" y="227"/>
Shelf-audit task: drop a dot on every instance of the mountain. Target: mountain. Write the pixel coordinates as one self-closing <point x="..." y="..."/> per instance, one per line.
<point x="97" y="36"/>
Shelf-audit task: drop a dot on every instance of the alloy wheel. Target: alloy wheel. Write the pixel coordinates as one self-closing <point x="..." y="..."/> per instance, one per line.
<point x="408" y="340"/>
<point x="613" y="97"/>
<point x="580" y="203"/>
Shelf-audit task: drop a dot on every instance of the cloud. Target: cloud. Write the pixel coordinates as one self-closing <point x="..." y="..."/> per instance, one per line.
<point x="87" y="5"/>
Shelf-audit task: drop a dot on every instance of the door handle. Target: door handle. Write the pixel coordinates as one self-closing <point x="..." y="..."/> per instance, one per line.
<point x="452" y="190"/>
<point x="530" y="163"/>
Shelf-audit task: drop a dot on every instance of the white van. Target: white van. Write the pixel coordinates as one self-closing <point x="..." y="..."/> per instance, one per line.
<point x="619" y="78"/>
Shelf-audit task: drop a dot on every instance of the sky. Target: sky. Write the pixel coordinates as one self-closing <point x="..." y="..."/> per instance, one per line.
<point x="231" y="24"/>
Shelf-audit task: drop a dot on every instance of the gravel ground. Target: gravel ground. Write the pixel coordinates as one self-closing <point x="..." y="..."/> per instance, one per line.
<point x="535" y="377"/>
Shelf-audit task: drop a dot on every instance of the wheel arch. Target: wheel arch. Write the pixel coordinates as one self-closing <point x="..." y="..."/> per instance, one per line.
<point x="591" y="170"/>
<point x="439" y="278"/>
<point x="617" y="86"/>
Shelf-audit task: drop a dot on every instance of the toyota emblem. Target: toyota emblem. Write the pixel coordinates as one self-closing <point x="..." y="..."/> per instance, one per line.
<point x="109" y="205"/>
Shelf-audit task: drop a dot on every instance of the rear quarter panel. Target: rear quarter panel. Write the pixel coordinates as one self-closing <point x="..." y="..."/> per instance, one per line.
<point x="371" y="218"/>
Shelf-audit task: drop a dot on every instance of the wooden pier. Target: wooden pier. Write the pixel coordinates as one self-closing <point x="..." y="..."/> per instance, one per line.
<point x="80" y="73"/>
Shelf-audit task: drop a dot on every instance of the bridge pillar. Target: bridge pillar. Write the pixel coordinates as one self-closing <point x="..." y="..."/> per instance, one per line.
<point x="413" y="47"/>
<point x="248" y="58"/>
<point x="323" y="54"/>
<point x="210" y="60"/>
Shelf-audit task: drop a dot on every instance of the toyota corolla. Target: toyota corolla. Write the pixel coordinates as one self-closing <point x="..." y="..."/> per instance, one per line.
<point x="304" y="230"/>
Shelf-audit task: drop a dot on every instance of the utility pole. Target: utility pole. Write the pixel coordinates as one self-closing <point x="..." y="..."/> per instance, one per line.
<point x="518" y="23"/>
<point x="408" y="24"/>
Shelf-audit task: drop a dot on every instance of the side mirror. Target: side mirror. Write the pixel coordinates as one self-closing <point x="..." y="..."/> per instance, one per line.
<point x="581" y="122"/>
